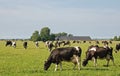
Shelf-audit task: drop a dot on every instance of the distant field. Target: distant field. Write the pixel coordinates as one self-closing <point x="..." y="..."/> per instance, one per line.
<point x="20" y="62"/>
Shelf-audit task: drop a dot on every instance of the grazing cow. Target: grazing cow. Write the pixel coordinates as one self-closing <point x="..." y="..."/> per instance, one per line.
<point x="105" y="42"/>
<point x="110" y="42"/>
<point x="25" y="45"/>
<point x="57" y="44"/>
<point x="60" y="42"/>
<point x="97" y="42"/>
<point x="49" y="45"/>
<point x="46" y="43"/>
<point x="117" y="47"/>
<point x="14" y="44"/>
<point x="84" y="41"/>
<point x="89" y="42"/>
<point x="95" y="52"/>
<point x="66" y="43"/>
<point x="36" y="44"/>
<point x="8" y="43"/>
<point x="78" y="41"/>
<point x="74" y="41"/>
<point x="58" y="55"/>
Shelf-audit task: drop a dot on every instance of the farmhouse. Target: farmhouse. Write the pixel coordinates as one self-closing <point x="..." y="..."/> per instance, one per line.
<point x="73" y="38"/>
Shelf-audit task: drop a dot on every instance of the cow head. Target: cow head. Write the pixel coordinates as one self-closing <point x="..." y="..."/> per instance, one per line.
<point x="85" y="62"/>
<point x="89" y="54"/>
<point x="46" y="65"/>
<point x="78" y="51"/>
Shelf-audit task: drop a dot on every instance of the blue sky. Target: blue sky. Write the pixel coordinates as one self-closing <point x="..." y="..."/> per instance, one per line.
<point x="94" y="18"/>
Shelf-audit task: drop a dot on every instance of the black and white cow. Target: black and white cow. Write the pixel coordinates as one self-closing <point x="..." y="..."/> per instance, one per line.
<point x="14" y="44"/>
<point x="97" y="42"/>
<point x="37" y="44"/>
<point x="95" y="52"/>
<point x="66" y="43"/>
<point x="25" y="45"/>
<point x="8" y="43"/>
<point x="117" y="47"/>
<point x="105" y="43"/>
<point x="49" y="45"/>
<point x="11" y="43"/>
<point x="84" y="41"/>
<point x="110" y="42"/>
<point x="59" y="43"/>
<point x="58" y="55"/>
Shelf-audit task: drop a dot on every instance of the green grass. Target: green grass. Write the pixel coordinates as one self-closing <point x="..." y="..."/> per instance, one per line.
<point x="20" y="62"/>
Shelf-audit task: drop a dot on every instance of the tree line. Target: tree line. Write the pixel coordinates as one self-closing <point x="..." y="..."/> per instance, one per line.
<point x="116" y="38"/>
<point x="45" y="34"/>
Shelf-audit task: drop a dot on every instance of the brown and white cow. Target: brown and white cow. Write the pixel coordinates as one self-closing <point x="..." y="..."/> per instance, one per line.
<point x="58" y="55"/>
<point x="95" y="52"/>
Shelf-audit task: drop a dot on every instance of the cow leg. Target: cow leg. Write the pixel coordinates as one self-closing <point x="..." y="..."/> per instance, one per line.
<point x="108" y="59"/>
<point x="112" y="60"/>
<point x="60" y="65"/>
<point x="50" y="49"/>
<point x="56" y="67"/>
<point x="77" y="60"/>
<point x="108" y="62"/>
<point x="74" y="66"/>
<point x="95" y="61"/>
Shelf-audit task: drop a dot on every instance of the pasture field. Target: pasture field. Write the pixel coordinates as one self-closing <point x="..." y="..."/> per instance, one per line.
<point x="30" y="62"/>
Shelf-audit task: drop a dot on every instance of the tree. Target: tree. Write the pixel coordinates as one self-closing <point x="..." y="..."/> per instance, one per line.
<point x="61" y="34"/>
<point x="45" y="34"/>
<point x="70" y="35"/>
<point x="119" y="38"/>
<point x="52" y="37"/>
<point x="35" y="36"/>
<point x="115" y="38"/>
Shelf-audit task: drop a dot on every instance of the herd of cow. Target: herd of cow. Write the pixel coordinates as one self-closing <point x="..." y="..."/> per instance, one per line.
<point x="73" y="54"/>
<point x="12" y="43"/>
